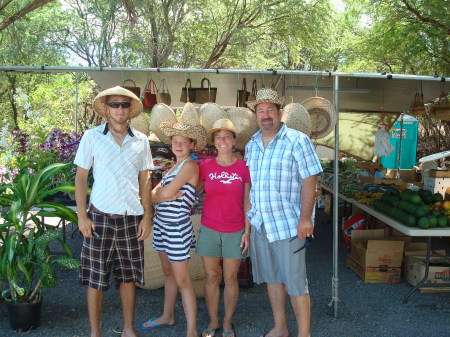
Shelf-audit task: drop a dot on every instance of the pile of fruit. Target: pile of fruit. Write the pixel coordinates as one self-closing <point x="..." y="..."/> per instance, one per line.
<point x="366" y="197"/>
<point x="415" y="208"/>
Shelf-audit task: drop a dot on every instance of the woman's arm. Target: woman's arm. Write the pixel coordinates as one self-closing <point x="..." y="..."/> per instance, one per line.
<point x="158" y="200"/>
<point x="187" y="174"/>
<point x="245" y="240"/>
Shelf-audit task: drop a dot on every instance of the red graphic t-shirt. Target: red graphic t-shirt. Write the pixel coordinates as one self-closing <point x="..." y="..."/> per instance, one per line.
<point x="223" y="208"/>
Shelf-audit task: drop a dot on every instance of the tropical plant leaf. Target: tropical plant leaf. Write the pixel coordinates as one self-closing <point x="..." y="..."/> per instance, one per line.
<point x="47" y="275"/>
<point x="69" y="263"/>
<point x="19" y="290"/>
<point x="40" y="253"/>
<point x="66" y="248"/>
<point x="48" y="236"/>
<point x="57" y="210"/>
<point x="24" y="270"/>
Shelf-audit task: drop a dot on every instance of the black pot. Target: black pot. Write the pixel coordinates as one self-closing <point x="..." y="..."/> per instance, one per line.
<point x="24" y="316"/>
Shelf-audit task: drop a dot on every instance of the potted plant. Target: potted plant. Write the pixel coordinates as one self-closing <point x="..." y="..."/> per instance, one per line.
<point x="26" y="260"/>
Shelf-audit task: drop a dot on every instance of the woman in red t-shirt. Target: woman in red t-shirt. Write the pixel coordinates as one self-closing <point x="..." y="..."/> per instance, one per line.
<point x="224" y="231"/>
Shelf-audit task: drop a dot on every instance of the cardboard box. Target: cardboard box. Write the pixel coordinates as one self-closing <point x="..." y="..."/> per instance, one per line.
<point x="374" y="274"/>
<point x="328" y="206"/>
<point x="376" y="180"/>
<point x="369" y="249"/>
<point x="439" y="270"/>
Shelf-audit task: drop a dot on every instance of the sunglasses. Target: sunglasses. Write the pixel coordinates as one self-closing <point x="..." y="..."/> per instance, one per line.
<point x="115" y="105"/>
<point x="307" y="243"/>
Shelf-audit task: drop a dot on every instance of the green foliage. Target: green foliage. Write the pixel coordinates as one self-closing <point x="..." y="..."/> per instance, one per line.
<point x="25" y="239"/>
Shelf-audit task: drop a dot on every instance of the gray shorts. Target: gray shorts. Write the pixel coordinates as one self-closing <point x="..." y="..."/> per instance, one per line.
<point x="275" y="262"/>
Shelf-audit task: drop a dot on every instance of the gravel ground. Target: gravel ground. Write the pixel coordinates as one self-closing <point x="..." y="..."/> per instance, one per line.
<point x="364" y="309"/>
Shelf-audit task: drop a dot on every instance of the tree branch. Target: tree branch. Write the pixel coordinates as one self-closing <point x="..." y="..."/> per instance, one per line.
<point x="24" y="11"/>
<point x="422" y="18"/>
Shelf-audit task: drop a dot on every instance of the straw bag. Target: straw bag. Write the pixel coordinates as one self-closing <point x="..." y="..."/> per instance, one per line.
<point x="150" y="95"/>
<point x="163" y="96"/>
<point x="252" y="96"/>
<point x="134" y="89"/>
<point x="417" y="107"/>
<point x="243" y="94"/>
<point x="187" y="93"/>
<point x="205" y="95"/>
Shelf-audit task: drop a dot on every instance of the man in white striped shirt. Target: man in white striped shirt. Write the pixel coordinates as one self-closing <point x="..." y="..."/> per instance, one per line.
<point x="119" y="217"/>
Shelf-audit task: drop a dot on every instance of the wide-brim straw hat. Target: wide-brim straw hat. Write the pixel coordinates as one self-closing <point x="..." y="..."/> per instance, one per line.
<point x="222" y="124"/>
<point x="244" y="121"/>
<point x="196" y="132"/>
<point x="161" y="113"/>
<point x="99" y="103"/>
<point x="296" y="117"/>
<point x="265" y="95"/>
<point x="141" y="124"/>
<point x="189" y="115"/>
<point x="323" y="116"/>
<point x="209" y="113"/>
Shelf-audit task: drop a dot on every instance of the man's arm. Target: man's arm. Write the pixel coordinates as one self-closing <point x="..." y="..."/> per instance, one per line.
<point x="85" y="225"/>
<point x="305" y="226"/>
<point x="146" y="200"/>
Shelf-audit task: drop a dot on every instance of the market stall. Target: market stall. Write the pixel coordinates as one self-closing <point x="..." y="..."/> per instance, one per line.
<point x="371" y="93"/>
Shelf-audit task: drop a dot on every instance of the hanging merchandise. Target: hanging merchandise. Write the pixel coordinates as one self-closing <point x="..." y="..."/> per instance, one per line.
<point x="141" y="123"/>
<point x="149" y="99"/>
<point x="161" y="113"/>
<point x="205" y="95"/>
<point x="209" y="113"/>
<point x="242" y="95"/>
<point x="252" y="95"/>
<point x="163" y="95"/>
<point x="244" y="121"/>
<point x="383" y="146"/>
<point x="134" y="89"/>
<point x="323" y="116"/>
<point x="189" y="115"/>
<point x="296" y="117"/>
<point x="187" y="93"/>
<point x="417" y="107"/>
<point x="441" y="107"/>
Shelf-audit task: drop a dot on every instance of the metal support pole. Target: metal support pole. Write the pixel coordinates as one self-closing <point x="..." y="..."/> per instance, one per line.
<point x="335" y="280"/>
<point x="75" y="117"/>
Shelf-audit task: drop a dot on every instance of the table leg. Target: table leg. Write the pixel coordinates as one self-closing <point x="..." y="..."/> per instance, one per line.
<point x="427" y="268"/>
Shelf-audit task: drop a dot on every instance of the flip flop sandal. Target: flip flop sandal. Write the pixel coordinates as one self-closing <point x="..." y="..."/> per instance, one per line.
<point x="229" y="332"/>
<point x="210" y="333"/>
<point x="155" y="325"/>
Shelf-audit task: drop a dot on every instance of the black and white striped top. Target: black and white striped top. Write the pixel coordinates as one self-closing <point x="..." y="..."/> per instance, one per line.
<point x="179" y="210"/>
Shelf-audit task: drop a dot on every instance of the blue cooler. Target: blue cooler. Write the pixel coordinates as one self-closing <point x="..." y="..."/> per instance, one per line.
<point x="407" y="143"/>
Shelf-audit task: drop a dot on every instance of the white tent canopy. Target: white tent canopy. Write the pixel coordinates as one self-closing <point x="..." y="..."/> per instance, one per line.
<point x="350" y="92"/>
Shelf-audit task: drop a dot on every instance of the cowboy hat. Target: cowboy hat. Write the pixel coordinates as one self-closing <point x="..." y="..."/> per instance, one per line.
<point x="99" y="102"/>
<point x="195" y="132"/>
<point x="222" y="124"/>
<point x="265" y="95"/>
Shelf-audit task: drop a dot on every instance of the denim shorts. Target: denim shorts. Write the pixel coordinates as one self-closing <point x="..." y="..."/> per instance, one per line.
<point x="217" y="244"/>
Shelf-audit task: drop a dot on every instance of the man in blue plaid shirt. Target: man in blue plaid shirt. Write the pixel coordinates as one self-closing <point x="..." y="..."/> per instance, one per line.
<point x="283" y="169"/>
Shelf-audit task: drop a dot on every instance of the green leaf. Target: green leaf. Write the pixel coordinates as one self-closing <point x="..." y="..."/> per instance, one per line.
<point x="55" y="209"/>
<point x="24" y="270"/>
<point x="19" y="290"/>
<point x="69" y="263"/>
<point x="48" y="236"/>
<point x="40" y="253"/>
<point x="47" y="275"/>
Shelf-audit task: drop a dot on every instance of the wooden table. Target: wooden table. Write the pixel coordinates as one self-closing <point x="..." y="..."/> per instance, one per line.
<point x="410" y="231"/>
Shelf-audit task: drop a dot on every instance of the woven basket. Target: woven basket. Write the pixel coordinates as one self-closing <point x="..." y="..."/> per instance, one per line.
<point x="189" y="115"/>
<point x="153" y="274"/>
<point x="141" y="124"/>
<point x="417" y="107"/>
<point x="244" y="121"/>
<point x="323" y="116"/>
<point x="161" y="113"/>
<point x="295" y="116"/>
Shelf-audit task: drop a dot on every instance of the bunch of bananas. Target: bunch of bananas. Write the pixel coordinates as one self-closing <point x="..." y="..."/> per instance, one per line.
<point x="365" y="197"/>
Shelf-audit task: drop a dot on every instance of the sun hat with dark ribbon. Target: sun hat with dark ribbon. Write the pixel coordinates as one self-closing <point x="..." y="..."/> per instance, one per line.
<point x="265" y="95"/>
<point x="99" y="103"/>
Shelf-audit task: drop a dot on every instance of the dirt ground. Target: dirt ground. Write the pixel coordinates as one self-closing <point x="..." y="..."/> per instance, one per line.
<point x="363" y="309"/>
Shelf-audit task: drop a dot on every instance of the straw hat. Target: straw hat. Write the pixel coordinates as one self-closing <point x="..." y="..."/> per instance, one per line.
<point x="244" y="121"/>
<point x="141" y="124"/>
<point x="222" y="124"/>
<point x="209" y="113"/>
<point x="295" y="116"/>
<point x="189" y="115"/>
<point x="265" y="95"/>
<point x="323" y="116"/>
<point x="99" y="102"/>
<point x="161" y="113"/>
<point x="196" y="132"/>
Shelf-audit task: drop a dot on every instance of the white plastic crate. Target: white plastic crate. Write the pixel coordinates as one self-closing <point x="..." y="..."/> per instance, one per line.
<point x="436" y="185"/>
